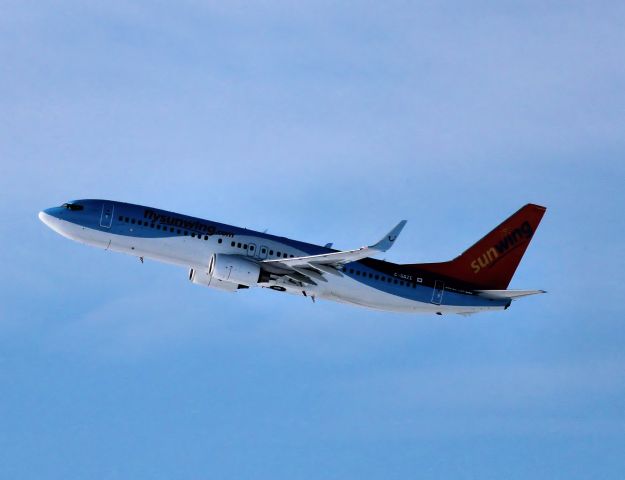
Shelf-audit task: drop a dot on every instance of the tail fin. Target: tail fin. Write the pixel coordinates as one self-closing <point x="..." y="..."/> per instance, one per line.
<point x="492" y="261"/>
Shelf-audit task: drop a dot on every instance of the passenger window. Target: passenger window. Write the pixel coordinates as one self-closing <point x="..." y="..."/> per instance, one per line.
<point x="145" y="224"/>
<point x="377" y="277"/>
<point x="357" y="273"/>
<point x="179" y="231"/>
<point x="192" y="234"/>
<point x="251" y="248"/>
<point x="279" y="254"/>
<point x="171" y="229"/>
<point x="219" y="240"/>
<point x="238" y="245"/>
<point x="126" y="219"/>
<point x="292" y="256"/>
<point x="371" y="275"/>
<point x="121" y="219"/>
<point x="270" y="252"/>
<point x="133" y="221"/>
<point x="285" y="255"/>
<point x="395" y="281"/>
<point x="232" y="244"/>
<point x="245" y="246"/>
<point x="151" y="225"/>
<point x="206" y="238"/>
<point x="263" y="250"/>
<point x="351" y="270"/>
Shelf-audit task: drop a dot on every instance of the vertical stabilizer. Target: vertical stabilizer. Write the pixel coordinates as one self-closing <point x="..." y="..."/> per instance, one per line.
<point x="492" y="261"/>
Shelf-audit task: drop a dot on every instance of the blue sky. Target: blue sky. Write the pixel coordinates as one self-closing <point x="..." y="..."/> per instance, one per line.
<point x="321" y="122"/>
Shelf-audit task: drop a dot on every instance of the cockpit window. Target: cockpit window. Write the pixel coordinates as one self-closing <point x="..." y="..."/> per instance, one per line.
<point x="73" y="206"/>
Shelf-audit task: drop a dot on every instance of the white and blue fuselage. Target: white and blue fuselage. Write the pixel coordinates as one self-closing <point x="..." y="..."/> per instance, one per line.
<point x="231" y="258"/>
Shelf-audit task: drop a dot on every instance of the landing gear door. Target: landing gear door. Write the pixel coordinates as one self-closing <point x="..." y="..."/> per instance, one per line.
<point x="437" y="294"/>
<point x="107" y="215"/>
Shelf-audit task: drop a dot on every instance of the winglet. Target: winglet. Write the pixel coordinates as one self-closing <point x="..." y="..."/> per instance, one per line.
<point x="388" y="240"/>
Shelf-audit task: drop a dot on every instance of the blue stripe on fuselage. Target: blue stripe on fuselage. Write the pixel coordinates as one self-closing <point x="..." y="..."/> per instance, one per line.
<point x="418" y="293"/>
<point x="90" y="217"/>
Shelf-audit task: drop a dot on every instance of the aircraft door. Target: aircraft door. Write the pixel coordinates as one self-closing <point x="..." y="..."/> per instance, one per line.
<point x="251" y="250"/>
<point x="437" y="294"/>
<point x="262" y="254"/>
<point x="107" y="215"/>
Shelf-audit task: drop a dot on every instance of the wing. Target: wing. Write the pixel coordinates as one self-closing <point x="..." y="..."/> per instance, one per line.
<point x="312" y="267"/>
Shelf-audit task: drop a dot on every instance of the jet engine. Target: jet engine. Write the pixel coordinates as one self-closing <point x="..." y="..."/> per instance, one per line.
<point x="202" y="277"/>
<point x="234" y="269"/>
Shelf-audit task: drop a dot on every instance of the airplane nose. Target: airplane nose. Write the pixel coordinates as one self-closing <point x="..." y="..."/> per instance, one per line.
<point x="53" y="219"/>
<point x="44" y="217"/>
<point x="48" y="218"/>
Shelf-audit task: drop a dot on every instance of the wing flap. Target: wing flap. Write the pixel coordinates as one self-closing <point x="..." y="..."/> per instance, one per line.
<point x="312" y="274"/>
<point x="326" y="269"/>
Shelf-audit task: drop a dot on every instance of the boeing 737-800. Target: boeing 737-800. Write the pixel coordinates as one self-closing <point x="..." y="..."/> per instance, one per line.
<point x="231" y="258"/>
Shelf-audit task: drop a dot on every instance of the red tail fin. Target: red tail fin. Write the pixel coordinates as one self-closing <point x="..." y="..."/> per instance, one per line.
<point x="492" y="261"/>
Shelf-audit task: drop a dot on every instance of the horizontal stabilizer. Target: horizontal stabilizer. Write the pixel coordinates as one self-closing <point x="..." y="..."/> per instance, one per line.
<point x="510" y="294"/>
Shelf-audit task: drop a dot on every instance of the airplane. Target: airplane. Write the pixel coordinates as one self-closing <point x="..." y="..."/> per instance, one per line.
<point x="229" y="258"/>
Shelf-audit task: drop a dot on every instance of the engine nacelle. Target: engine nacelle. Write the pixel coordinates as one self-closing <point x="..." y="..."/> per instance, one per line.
<point x="202" y="277"/>
<point x="234" y="269"/>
